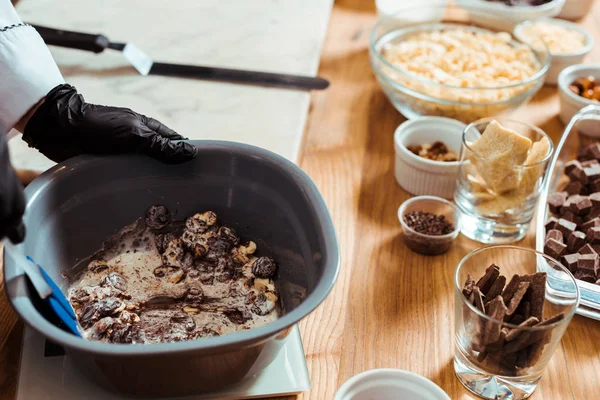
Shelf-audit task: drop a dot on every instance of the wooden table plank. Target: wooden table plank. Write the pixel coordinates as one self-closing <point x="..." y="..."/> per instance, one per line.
<point x="390" y="307"/>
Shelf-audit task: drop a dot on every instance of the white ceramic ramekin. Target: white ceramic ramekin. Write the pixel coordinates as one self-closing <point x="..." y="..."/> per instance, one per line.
<point x="389" y="384"/>
<point x="575" y="9"/>
<point x="560" y="61"/>
<point x="418" y="175"/>
<point x="570" y="103"/>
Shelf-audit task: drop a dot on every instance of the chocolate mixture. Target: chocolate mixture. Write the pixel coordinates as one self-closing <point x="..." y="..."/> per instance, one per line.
<point x="157" y="281"/>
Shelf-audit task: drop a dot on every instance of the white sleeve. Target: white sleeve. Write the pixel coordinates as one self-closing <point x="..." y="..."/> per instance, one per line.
<point x="27" y="70"/>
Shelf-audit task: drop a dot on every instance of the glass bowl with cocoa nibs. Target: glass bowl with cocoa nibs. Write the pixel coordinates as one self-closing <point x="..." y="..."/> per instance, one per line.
<point x="430" y="224"/>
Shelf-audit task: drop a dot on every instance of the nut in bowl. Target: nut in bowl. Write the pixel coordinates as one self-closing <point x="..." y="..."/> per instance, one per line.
<point x="453" y="69"/>
<point x="430" y="224"/>
<point x="574" y="85"/>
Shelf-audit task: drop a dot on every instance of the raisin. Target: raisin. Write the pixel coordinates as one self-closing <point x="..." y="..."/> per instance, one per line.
<point x="264" y="267"/>
<point x="229" y="235"/>
<point x="114" y="280"/>
<point x="237" y="316"/>
<point x="157" y="217"/>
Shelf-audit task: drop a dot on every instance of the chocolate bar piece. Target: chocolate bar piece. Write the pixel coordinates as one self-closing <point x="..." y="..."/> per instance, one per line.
<point x="595" y="199"/>
<point x="585" y="276"/>
<point x="580" y="205"/>
<point x="576" y="174"/>
<point x="589" y="163"/>
<point x="587" y="249"/>
<point x="574" y="187"/>
<point x="537" y="294"/>
<point x="593" y="235"/>
<point x="571" y="165"/>
<point x="592" y="223"/>
<point x="554" y="248"/>
<point x="491" y="274"/>
<point x="551" y="223"/>
<point x="514" y="333"/>
<point x="526" y="309"/>
<point x="555" y="234"/>
<point x="556" y="201"/>
<point x="517" y="297"/>
<point x="468" y="288"/>
<point x="570" y="261"/>
<point x="592" y="151"/>
<point x="496" y="310"/>
<point x="592" y="173"/>
<point x="588" y="263"/>
<point x="536" y="350"/>
<point x="566" y="227"/>
<point x="478" y="301"/>
<point x="576" y="240"/>
<point x="496" y="288"/>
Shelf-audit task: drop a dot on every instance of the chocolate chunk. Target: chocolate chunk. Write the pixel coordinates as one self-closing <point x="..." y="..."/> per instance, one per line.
<point x="491" y="274"/>
<point x="589" y="163"/>
<point x="516" y="298"/>
<point x="575" y="241"/>
<point x="585" y="276"/>
<point x="595" y="199"/>
<point x="571" y="165"/>
<point x="587" y="249"/>
<point x="511" y="288"/>
<point x="566" y="214"/>
<point x="592" y="173"/>
<point x="265" y="267"/>
<point x="554" y="248"/>
<point x="114" y="280"/>
<point x="551" y="223"/>
<point x="588" y="263"/>
<point x="595" y="213"/>
<point x="592" y="223"/>
<point x="593" y="187"/>
<point x="574" y="187"/>
<point x="537" y="294"/>
<point x="523" y="340"/>
<point x="536" y="350"/>
<point x="478" y="299"/>
<point x="515" y="333"/>
<point x="593" y="235"/>
<point x="469" y="285"/>
<point x="526" y="309"/>
<point x="495" y="310"/>
<point x="556" y="201"/>
<point x="592" y="151"/>
<point x="570" y="261"/>
<point x="580" y="206"/>
<point x="496" y="288"/>
<point x="97" y="266"/>
<point x="555" y="234"/>
<point x="576" y="173"/>
<point x="516" y="319"/>
<point x="566" y="227"/>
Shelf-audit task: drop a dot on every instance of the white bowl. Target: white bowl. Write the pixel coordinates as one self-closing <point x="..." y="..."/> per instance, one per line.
<point x="418" y="175"/>
<point x="508" y="16"/>
<point x="560" y="61"/>
<point x="575" y="9"/>
<point x="389" y="384"/>
<point x="570" y="103"/>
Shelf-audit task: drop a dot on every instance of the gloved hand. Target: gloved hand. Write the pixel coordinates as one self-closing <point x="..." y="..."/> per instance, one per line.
<point x="12" y="201"/>
<point x="65" y="126"/>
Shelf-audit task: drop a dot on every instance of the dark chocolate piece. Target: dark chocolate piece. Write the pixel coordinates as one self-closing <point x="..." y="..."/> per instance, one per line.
<point x="526" y="309"/>
<point x="495" y="310"/>
<point x="511" y="288"/>
<point x="516" y="319"/>
<point x="556" y="201"/>
<point x="514" y="333"/>
<point x="551" y="223"/>
<point x="592" y="151"/>
<point x="595" y="199"/>
<point x="491" y="274"/>
<point x="570" y="261"/>
<point x="587" y="249"/>
<point x="571" y="165"/>
<point x="588" y="263"/>
<point x="554" y="248"/>
<point x="536" y="350"/>
<point x="517" y="297"/>
<point x="576" y="240"/>
<point x="478" y="299"/>
<point x="576" y="174"/>
<point x="496" y="288"/>
<point x="589" y="163"/>
<point x="566" y="227"/>
<point x="580" y="206"/>
<point x="555" y="234"/>
<point x="468" y="288"/>
<point x="593" y="235"/>
<point x="585" y="276"/>
<point x="592" y="173"/>
<point x="592" y="223"/>
<point x="537" y="294"/>
<point x="574" y="187"/>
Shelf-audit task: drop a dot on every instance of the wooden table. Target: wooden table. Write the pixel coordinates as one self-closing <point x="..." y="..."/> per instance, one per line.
<point x="390" y="307"/>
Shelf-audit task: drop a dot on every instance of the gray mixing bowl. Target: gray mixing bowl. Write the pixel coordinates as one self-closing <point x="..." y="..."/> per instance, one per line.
<point x="74" y="206"/>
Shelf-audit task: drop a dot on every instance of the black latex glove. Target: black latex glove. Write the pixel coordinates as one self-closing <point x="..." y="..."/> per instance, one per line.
<point x="12" y="201"/>
<point x="65" y="126"/>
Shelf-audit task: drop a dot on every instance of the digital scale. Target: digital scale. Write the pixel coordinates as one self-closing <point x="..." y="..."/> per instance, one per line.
<point x="47" y="373"/>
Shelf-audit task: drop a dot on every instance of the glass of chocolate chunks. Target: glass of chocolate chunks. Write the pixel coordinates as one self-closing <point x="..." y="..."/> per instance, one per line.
<point x="512" y="307"/>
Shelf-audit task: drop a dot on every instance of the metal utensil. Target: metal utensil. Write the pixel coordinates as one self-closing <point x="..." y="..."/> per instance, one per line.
<point x="146" y="66"/>
<point x="46" y="289"/>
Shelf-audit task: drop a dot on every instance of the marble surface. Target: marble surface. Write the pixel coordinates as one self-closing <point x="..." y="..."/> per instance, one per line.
<point x="268" y="35"/>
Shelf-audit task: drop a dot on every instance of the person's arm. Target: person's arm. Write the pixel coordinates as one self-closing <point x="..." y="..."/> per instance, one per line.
<point x="27" y="70"/>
